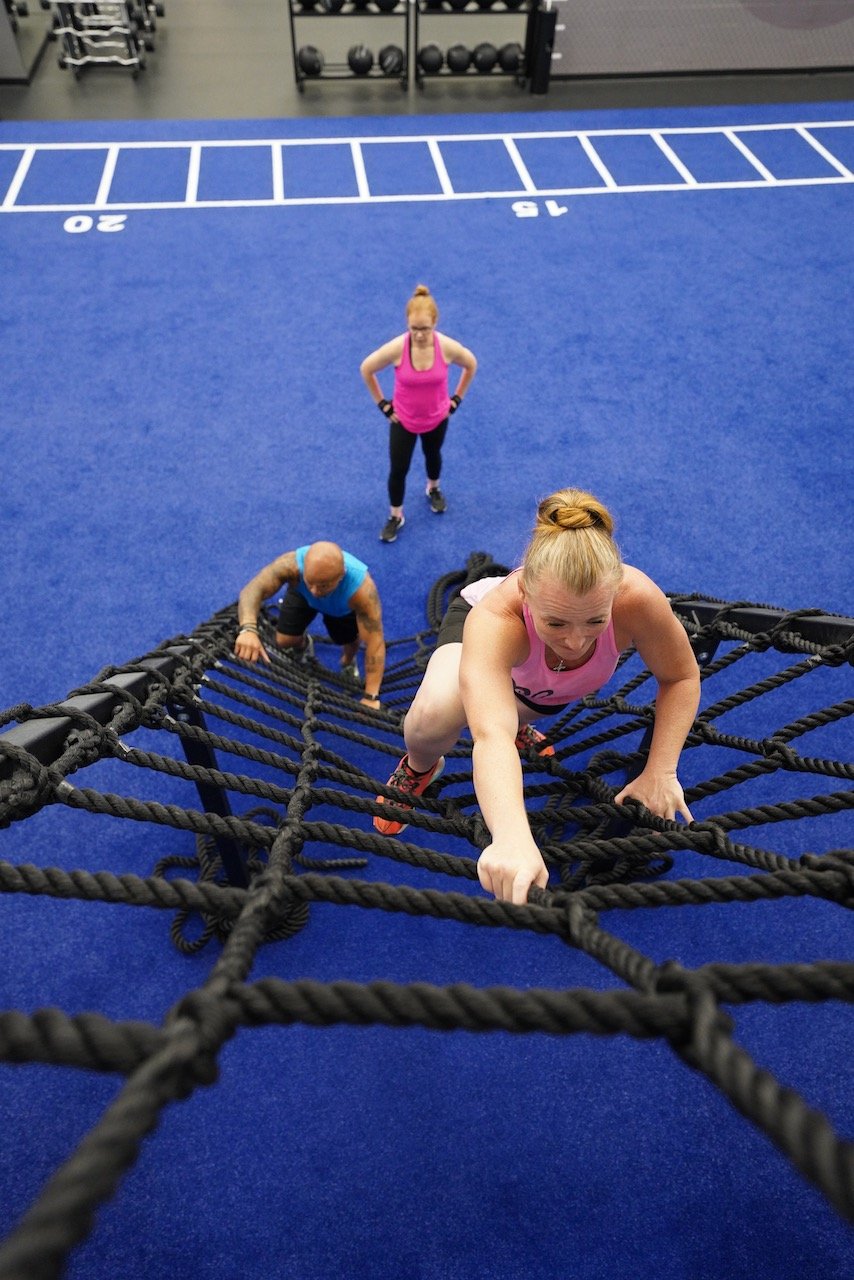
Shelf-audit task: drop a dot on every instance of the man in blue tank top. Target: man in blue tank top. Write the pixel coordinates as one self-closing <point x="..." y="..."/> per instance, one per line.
<point x="320" y="578"/>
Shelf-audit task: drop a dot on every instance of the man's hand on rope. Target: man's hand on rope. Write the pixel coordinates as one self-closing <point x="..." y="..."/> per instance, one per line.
<point x="661" y="793"/>
<point x="508" y="870"/>
<point x="248" y="646"/>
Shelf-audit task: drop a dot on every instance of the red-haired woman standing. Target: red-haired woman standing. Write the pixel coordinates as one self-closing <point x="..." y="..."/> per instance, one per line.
<point x="420" y="406"/>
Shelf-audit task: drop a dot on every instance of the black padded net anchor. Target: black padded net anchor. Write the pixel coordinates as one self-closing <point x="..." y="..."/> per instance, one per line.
<point x="276" y="833"/>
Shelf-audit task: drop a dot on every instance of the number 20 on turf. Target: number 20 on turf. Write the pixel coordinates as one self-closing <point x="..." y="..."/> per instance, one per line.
<point x="79" y="223"/>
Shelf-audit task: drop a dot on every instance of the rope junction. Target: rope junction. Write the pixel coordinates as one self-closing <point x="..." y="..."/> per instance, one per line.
<point x="304" y="744"/>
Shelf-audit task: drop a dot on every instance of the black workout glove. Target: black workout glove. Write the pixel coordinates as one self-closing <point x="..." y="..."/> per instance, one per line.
<point x="386" y="407"/>
<point x="456" y="401"/>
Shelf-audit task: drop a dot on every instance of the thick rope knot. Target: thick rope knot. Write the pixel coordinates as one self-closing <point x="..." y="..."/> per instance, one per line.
<point x="21" y="712"/>
<point x="670" y="978"/>
<point x="712" y="839"/>
<point x="84" y="741"/>
<point x="31" y="785"/>
<point x="153" y="716"/>
<point x="216" y="1018"/>
<point x="774" y="749"/>
<point x="127" y="712"/>
<point x="836" y="655"/>
<point x="580" y="921"/>
<point x="838" y="862"/>
<point x="638" y="815"/>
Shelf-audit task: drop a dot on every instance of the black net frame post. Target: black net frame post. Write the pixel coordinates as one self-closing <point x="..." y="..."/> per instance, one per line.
<point x="46" y="739"/>
<point x="813" y="625"/>
<point x="197" y="751"/>
<point x="539" y="44"/>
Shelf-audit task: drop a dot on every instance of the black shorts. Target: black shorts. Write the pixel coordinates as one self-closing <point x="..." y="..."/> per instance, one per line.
<point x="451" y="632"/>
<point x="296" y="614"/>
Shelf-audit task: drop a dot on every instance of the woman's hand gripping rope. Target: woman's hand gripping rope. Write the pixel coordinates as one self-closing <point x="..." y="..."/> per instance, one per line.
<point x="508" y="870"/>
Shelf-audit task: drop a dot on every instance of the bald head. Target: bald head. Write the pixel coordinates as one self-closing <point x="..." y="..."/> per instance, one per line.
<point x="323" y="568"/>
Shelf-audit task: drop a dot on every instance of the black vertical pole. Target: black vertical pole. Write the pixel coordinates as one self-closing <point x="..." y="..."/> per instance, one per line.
<point x="214" y="799"/>
<point x="539" y="42"/>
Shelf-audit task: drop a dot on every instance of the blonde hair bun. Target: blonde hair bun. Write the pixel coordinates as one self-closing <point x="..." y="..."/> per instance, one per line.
<point x="572" y="543"/>
<point x="573" y="509"/>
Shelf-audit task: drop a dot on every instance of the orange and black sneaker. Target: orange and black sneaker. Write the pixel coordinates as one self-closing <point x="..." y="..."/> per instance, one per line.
<point x="529" y="737"/>
<point x="408" y="783"/>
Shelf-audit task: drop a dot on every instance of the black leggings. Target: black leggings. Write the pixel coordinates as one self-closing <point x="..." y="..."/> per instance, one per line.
<point x="401" y="445"/>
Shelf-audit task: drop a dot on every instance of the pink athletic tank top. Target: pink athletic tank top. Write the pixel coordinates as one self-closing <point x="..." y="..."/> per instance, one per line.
<point x="534" y="683"/>
<point x="421" y="399"/>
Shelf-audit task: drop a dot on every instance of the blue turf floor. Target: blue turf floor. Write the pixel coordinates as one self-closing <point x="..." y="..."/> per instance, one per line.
<point x="183" y="320"/>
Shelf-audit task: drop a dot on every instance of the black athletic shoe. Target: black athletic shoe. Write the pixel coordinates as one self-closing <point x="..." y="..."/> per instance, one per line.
<point x="390" y="529"/>
<point x="437" y="501"/>
<point x="302" y="654"/>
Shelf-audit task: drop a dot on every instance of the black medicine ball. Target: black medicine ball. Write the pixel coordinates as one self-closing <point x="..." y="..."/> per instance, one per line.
<point x="485" y="57"/>
<point x="458" y="58"/>
<point x="391" y="60"/>
<point x="458" y="4"/>
<point x="510" y="57"/>
<point x="386" y="6"/>
<point x="332" y="6"/>
<point x="430" y="58"/>
<point x="360" y="59"/>
<point x="310" y="60"/>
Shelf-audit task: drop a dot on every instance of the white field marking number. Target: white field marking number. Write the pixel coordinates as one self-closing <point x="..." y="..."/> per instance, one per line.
<point x="80" y="222"/>
<point x="530" y="208"/>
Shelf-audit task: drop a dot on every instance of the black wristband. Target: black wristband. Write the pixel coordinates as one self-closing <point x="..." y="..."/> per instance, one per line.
<point x="456" y="401"/>
<point x="386" y="407"/>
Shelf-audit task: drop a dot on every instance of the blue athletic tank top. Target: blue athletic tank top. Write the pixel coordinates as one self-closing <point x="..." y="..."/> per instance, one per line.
<point x="337" y="604"/>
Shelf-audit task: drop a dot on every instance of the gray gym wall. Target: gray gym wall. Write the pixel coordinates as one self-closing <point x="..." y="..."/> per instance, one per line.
<point x="625" y="37"/>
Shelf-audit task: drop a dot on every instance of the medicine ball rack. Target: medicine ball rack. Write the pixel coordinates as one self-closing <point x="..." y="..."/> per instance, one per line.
<point x="362" y="9"/>
<point x="425" y="10"/>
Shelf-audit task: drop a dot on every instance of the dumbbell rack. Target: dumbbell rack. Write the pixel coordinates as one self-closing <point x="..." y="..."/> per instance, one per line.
<point x="114" y="32"/>
<point x="446" y="10"/>
<point x="361" y="9"/>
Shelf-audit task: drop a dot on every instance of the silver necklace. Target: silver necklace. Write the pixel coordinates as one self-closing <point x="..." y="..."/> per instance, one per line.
<point x="560" y="665"/>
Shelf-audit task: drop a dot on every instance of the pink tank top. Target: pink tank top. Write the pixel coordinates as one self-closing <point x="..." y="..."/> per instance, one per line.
<point x="534" y="683"/>
<point x="421" y="399"/>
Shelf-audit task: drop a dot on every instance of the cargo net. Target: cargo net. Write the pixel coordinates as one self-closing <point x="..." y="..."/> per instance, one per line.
<point x="291" y="825"/>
